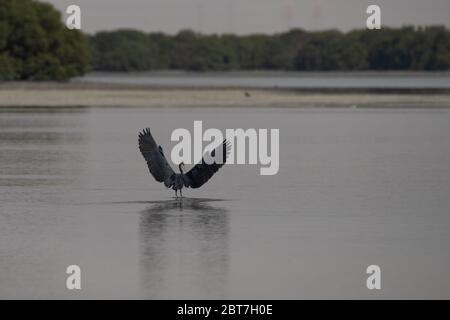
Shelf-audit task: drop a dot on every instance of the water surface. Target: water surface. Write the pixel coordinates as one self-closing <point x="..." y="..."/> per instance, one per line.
<point x="277" y="79"/>
<point x="355" y="188"/>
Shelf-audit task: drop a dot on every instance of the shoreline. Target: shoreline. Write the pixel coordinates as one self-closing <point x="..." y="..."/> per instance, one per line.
<point x="84" y="94"/>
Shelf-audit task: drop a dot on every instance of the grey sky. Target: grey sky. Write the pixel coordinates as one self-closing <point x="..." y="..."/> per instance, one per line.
<point x="250" y="16"/>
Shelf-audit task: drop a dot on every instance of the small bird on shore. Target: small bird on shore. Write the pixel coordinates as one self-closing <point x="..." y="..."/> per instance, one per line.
<point x="162" y="172"/>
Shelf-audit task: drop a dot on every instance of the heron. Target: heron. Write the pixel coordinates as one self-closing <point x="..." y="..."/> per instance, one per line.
<point x="163" y="172"/>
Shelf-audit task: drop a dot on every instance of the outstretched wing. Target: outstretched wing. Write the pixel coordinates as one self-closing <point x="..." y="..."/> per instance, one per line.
<point x="153" y="154"/>
<point x="202" y="172"/>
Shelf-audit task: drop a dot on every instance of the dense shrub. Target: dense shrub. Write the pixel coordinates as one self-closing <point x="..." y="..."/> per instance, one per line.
<point x="35" y="44"/>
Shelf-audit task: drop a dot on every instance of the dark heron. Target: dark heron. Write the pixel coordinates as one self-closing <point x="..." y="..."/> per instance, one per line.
<point x="162" y="172"/>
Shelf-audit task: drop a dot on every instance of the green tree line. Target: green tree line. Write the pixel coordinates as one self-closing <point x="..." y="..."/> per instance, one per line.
<point x="406" y="48"/>
<point x="36" y="45"/>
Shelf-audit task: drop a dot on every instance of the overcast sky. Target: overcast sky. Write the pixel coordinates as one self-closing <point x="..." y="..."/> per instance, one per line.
<point x="250" y="16"/>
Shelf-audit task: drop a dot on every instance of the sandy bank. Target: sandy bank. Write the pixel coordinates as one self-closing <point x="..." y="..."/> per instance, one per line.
<point x="100" y="95"/>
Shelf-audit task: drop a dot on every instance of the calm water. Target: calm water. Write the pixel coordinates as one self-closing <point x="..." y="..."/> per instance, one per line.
<point x="294" y="80"/>
<point x="355" y="188"/>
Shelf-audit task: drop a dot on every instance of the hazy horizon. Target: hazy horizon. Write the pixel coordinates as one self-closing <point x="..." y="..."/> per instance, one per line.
<point x="252" y="16"/>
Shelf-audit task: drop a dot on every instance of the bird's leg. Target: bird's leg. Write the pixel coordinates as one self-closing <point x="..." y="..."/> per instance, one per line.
<point x="176" y="194"/>
<point x="181" y="194"/>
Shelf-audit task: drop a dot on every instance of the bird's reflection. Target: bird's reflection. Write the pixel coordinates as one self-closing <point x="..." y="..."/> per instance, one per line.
<point x="184" y="248"/>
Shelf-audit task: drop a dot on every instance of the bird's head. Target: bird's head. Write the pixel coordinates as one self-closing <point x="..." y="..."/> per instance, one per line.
<point x="181" y="167"/>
